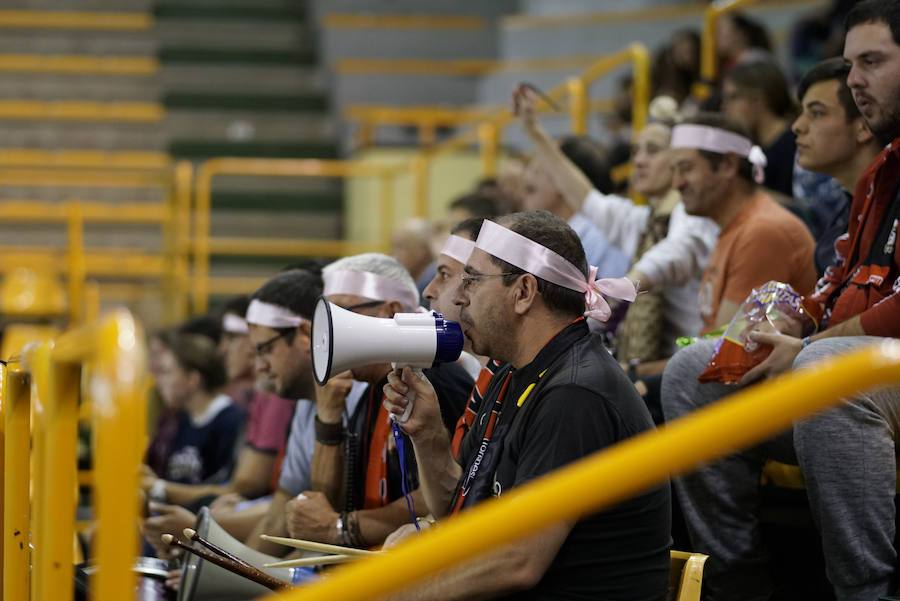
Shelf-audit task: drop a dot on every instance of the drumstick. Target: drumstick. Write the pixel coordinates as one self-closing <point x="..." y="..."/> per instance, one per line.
<point x="311" y="561"/>
<point x="191" y="534"/>
<point x="255" y="575"/>
<point x="308" y="545"/>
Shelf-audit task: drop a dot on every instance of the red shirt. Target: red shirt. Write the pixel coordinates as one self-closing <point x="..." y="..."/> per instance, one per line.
<point x="865" y="280"/>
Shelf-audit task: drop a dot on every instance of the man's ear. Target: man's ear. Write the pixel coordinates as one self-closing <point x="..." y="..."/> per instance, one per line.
<point x="525" y="289"/>
<point x="728" y="166"/>
<point x="303" y="334"/>
<point x="389" y="309"/>
<point x="864" y="135"/>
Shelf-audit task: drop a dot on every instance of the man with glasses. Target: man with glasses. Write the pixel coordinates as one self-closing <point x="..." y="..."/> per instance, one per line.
<point x="523" y="299"/>
<point x="358" y="475"/>
<point x="279" y="322"/>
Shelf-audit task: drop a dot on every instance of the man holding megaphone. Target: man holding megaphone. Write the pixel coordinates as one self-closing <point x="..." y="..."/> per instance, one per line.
<point x="523" y="300"/>
<point x="357" y="469"/>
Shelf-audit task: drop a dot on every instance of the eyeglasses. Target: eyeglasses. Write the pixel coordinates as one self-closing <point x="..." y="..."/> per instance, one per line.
<point x="468" y="279"/>
<point x="264" y="348"/>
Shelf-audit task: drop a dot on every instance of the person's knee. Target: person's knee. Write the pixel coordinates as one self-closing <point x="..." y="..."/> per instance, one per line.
<point x="829" y="347"/>
<point x="680" y="377"/>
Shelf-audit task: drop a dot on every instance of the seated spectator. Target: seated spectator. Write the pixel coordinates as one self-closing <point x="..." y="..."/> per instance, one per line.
<point x="758" y="240"/>
<point x="833" y="139"/>
<point x="542" y="193"/>
<point x="561" y="398"/>
<point x="676" y="66"/>
<point x="669" y="249"/>
<point x="370" y="474"/>
<point x="191" y="376"/>
<point x="741" y="39"/>
<point x="847" y="454"/>
<point x="411" y="245"/>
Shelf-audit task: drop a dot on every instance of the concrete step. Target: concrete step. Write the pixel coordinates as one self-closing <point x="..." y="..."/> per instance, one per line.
<point x="337" y="44"/>
<point x="238" y="78"/>
<point x="204" y="149"/>
<point x="233" y="34"/>
<point x="45" y="86"/>
<point x="246" y="126"/>
<point x="283" y="225"/>
<point x="480" y="8"/>
<point x="80" y="5"/>
<point x="61" y="193"/>
<point x="128" y="43"/>
<point x="90" y="136"/>
<point x="260" y="11"/>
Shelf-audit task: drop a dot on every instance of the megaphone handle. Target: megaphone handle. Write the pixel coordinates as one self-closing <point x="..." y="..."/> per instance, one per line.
<point x="410" y="398"/>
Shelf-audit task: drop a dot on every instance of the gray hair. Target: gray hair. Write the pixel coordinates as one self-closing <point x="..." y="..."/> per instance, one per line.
<point x="378" y="264"/>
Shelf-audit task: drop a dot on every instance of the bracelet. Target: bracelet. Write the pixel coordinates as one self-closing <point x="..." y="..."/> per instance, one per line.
<point x="329" y="434"/>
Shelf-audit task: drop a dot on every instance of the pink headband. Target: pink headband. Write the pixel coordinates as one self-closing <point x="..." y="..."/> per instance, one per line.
<point x="542" y="262"/>
<point x="713" y="139"/>
<point x="369" y="285"/>
<point x="260" y="313"/>
<point x="458" y="248"/>
<point x="234" y="324"/>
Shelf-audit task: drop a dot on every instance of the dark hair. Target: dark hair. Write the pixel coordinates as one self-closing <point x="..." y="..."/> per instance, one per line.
<point x="313" y="266"/>
<point x="209" y="326"/>
<point x="767" y="79"/>
<point x="719" y="121"/>
<point x="481" y="203"/>
<point x="296" y="290"/>
<point x="469" y="228"/>
<point x="876" y="11"/>
<point x="196" y="352"/>
<point x="549" y="231"/>
<point x="590" y="158"/>
<point x="832" y="69"/>
<point x="754" y="32"/>
<point x="236" y="305"/>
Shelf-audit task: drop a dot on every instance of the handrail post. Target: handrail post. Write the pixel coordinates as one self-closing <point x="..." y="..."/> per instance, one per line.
<point x="76" y="261"/>
<point x="184" y="173"/>
<point x="117" y="380"/>
<point x="16" y="400"/>
<point x="57" y="388"/>
<point x="640" y="91"/>
<point x="578" y="105"/>
<point x="203" y="198"/>
<point x="489" y="142"/>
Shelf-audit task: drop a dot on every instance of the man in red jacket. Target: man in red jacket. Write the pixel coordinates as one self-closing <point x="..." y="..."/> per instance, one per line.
<point x="847" y="455"/>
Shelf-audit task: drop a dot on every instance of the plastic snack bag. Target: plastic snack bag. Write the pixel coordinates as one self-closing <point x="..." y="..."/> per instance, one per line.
<point x="773" y="307"/>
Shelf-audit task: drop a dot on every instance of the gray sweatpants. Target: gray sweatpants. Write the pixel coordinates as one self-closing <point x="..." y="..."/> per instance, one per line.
<point x="847" y="456"/>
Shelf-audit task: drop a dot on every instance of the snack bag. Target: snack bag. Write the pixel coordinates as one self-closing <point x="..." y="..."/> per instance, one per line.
<point x="773" y="307"/>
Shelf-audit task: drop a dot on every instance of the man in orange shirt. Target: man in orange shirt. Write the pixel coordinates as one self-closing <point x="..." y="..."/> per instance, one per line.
<point x="758" y="240"/>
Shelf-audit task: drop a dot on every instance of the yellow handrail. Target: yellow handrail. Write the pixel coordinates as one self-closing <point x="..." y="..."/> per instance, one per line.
<point x="113" y="350"/>
<point x="626" y="469"/>
<point x="204" y="245"/>
<point x="488" y="131"/>
<point x="708" y="59"/>
<point x="96" y="21"/>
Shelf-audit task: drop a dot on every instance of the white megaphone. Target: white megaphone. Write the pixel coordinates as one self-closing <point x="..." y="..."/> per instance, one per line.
<point x="342" y="340"/>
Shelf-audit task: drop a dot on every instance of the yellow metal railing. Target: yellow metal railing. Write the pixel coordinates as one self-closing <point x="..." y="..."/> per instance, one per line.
<point x="205" y="245"/>
<point x="708" y="59"/>
<point x="626" y="469"/>
<point x="106" y="359"/>
<point x="487" y="133"/>
<point x="89" y="169"/>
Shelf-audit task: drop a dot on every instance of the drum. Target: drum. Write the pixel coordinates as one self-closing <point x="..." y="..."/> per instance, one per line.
<point x="151" y="580"/>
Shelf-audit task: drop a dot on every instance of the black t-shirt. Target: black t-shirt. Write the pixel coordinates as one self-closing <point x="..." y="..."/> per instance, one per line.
<point x="452" y="385"/>
<point x="780" y="156"/>
<point x="203" y="451"/>
<point x="583" y="403"/>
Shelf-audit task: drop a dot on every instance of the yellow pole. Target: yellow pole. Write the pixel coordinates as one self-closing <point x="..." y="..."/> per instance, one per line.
<point x="58" y="388"/>
<point x="578" y="106"/>
<point x="640" y="86"/>
<point x="626" y="469"/>
<point x="420" y="168"/>
<point x="203" y="198"/>
<point x="489" y="140"/>
<point x="119" y="435"/>
<point x="184" y="174"/>
<point x="76" y="261"/>
<point x="14" y="390"/>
